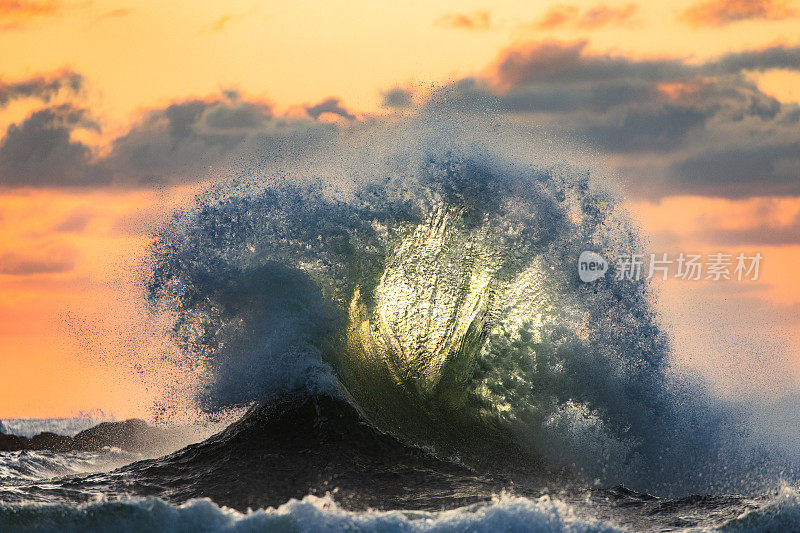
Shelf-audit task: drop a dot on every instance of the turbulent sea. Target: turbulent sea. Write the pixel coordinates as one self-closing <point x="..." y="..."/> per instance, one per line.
<point x="399" y="311"/>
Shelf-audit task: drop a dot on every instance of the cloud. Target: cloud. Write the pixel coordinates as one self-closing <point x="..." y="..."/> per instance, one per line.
<point x="188" y="141"/>
<point x="723" y="12"/>
<point x="571" y="62"/>
<point x="764" y="235"/>
<point x="28" y="8"/>
<point x="604" y="15"/>
<point x="543" y="60"/>
<point x="568" y="15"/>
<point x="332" y="106"/>
<point x="185" y="142"/>
<point x="668" y="125"/>
<point x="40" y="151"/>
<point x="660" y="128"/>
<point x="744" y="170"/>
<point x="52" y="262"/>
<point x="478" y="20"/>
<point x="43" y="87"/>
<point x="74" y="222"/>
<point x="773" y="57"/>
<point x="16" y="14"/>
<point x="558" y="16"/>
<point x="397" y="98"/>
<point x="671" y="126"/>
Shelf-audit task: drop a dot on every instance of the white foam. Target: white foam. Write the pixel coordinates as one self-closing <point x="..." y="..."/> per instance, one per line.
<point x="28" y="427"/>
<point x="37" y="465"/>
<point x="503" y="513"/>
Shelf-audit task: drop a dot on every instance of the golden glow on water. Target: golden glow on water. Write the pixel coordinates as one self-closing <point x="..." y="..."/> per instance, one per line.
<point x="428" y="313"/>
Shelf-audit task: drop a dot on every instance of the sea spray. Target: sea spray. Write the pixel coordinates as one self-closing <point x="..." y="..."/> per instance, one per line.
<point x="426" y="272"/>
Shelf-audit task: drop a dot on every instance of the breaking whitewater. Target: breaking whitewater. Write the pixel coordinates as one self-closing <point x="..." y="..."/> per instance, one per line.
<point x="399" y="311"/>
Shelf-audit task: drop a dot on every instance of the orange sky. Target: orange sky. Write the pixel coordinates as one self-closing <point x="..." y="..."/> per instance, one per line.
<point x="64" y="323"/>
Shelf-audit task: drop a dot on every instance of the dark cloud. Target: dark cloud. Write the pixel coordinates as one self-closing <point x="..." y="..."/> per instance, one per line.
<point x="549" y="60"/>
<point x="569" y="62"/>
<point x="660" y="128"/>
<point x="634" y="104"/>
<point x="774" y="57"/>
<point x="567" y="15"/>
<point x="748" y="165"/>
<point x="397" y="98"/>
<point x="742" y="171"/>
<point x="42" y="87"/>
<point x="54" y="262"/>
<point x="177" y="139"/>
<point x="180" y="142"/>
<point x="330" y="105"/>
<point x="40" y="151"/>
<point x="670" y="126"/>
<point x="723" y="12"/>
<point x="673" y="127"/>
<point x="479" y="20"/>
<point x="184" y="142"/>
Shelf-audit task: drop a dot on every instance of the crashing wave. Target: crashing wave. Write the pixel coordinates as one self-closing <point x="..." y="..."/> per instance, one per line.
<point x="428" y="275"/>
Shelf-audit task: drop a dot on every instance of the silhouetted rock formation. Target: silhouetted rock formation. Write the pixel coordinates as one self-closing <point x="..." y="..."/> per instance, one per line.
<point x="131" y="435"/>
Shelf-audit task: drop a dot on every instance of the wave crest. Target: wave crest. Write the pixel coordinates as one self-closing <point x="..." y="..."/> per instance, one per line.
<point x="428" y="274"/>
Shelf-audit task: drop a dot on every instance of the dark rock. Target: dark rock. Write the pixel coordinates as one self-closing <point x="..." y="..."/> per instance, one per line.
<point x="131" y="435"/>
<point x="49" y="441"/>
<point x="12" y="443"/>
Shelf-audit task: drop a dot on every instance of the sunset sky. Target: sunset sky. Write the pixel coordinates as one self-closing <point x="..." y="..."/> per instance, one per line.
<point x="114" y="114"/>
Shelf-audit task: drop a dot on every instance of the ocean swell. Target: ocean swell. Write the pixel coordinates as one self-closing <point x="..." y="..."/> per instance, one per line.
<point x="427" y="274"/>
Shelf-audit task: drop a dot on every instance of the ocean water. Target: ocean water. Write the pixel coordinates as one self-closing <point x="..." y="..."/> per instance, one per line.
<point x="309" y="514"/>
<point x="399" y="309"/>
<point x="28" y="427"/>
